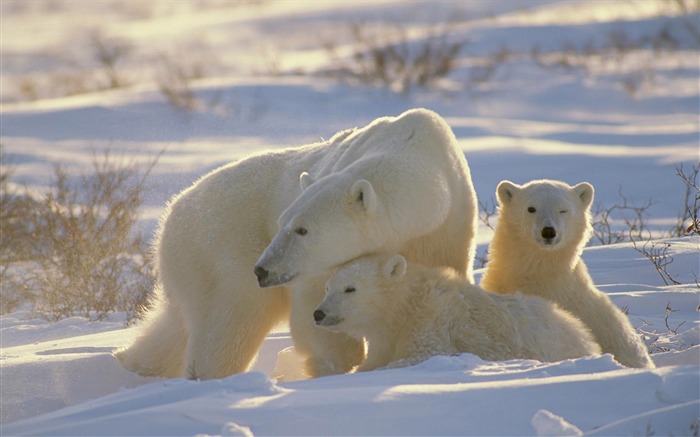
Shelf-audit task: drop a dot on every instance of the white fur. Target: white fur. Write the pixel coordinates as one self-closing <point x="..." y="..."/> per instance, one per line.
<point x="399" y="183"/>
<point x="408" y="312"/>
<point x="521" y="259"/>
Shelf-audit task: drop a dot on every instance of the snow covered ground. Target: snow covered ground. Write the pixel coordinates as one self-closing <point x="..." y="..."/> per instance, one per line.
<point x="621" y="120"/>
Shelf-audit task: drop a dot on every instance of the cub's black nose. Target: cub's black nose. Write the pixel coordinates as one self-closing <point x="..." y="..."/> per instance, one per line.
<point x="548" y="232"/>
<point x="261" y="273"/>
<point x="319" y="315"/>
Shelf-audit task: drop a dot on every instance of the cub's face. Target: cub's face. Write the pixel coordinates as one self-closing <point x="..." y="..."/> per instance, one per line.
<point x="357" y="294"/>
<point x="552" y="214"/>
<point x="331" y="222"/>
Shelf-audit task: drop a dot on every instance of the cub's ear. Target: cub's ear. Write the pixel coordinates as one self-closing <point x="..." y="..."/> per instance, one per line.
<point x="395" y="267"/>
<point x="305" y="180"/>
<point x="363" y="194"/>
<point x="585" y="192"/>
<point x="506" y="191"/>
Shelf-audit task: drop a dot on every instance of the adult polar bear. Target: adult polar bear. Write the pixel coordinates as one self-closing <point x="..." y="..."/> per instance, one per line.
<point x="400" y="184"/>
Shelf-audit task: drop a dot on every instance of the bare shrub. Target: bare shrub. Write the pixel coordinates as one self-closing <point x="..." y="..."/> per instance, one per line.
<point x="14" y="289"/>
<point x="28" y="88"/>
<point x="15" y="238"/>
<point x="611" y="53"/>
<point x="689" y="221"/>
<point x="620" y="222"/>
<point x="657" y="253"/>
<point x="387" y="56"/>
<point x="175" y="75"/>
<point x="66" y="79"/>
<point x="85" y="258"/>
<point x="670" y="311"/>
<point x="487" y="211"/>
<point x="174" y="82"/>
<point x="632" y="227"/>
<point x="109" y="53"/>
<point x="102" y="64"/>
<point x="682" y="6"/>
<point x="15" y="206"/>
<point x="664" y="341"/>
<point x="484" y="69"/>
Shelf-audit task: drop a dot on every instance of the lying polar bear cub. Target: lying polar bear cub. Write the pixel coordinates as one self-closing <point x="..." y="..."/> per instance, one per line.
<point x="408" y="313"/>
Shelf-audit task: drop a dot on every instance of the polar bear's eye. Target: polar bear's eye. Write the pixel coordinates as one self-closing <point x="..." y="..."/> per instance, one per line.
<point x="563" y="211"/>
<point x="531" y="209"/>
<point x="300" y="231"/>
<point x="350" y="289"/>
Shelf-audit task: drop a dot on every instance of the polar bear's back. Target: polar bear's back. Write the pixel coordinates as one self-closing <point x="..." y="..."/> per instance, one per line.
<point x="546" y="331"/>
<point x="494" y="326"/>
<point x="417" y="135"/>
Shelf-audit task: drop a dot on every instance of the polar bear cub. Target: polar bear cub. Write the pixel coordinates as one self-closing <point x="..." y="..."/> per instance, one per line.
<point x="536" y="249"/>
<point x="408" y="313"/>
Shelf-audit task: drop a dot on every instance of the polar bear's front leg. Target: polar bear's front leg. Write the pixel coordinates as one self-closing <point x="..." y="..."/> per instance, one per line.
<point x="326" y="352"/>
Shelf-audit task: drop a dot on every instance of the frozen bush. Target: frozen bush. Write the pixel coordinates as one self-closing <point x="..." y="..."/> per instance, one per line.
<point x="78" y="239"/>
<point x="387" y="56"/>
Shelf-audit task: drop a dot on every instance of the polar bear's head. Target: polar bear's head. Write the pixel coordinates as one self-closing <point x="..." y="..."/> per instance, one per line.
<point x="358" y="293"/>
<point x="550" y="213"/>
<point x="335" y="219"/>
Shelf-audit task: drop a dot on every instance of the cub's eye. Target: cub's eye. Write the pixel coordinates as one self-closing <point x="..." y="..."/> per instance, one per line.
<point x="531" y="209"/>
<point x="563" y="211"/>
<point x="300" y="231"/>
<point x="350" y="289"/>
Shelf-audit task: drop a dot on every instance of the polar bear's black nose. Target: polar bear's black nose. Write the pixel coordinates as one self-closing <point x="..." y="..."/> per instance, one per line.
<point x="548" y="232"/>
<point x="261" y="273"/>
<point x="319" y="315"/>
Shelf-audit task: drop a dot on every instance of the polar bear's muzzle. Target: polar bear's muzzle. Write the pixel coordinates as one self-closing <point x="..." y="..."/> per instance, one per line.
<point x="549" y="233"/>
<point x="271" y="279"/>
<point x="324" y="320"/>
<point x="549" y="236"/>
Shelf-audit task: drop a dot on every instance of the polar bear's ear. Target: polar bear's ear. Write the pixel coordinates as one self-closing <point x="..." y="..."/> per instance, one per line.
<point x="305" y="180"/>
<point x="585" y="192"/>
<point x="363" y="193"/>
<point x="505" y="191"/>
<point x="395" y="267"/>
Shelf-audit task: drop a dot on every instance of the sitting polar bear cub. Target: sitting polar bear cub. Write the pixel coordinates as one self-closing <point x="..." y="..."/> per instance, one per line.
<point x="536" y="250"/>
<point x="408" y="313"/>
